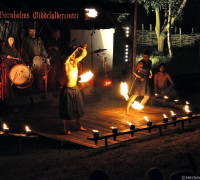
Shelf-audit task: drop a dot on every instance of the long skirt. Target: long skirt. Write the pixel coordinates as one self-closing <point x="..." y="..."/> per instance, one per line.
<point x="71" y="103"/>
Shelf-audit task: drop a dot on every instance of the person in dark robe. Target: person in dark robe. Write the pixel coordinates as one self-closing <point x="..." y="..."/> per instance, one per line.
<point x="10" y="58"/>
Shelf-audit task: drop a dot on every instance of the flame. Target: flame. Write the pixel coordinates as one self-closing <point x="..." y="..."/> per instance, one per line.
<point x="176" y="100"/>
<point x="129" y="123"/>
<point x="146" y="118"/>
<point x="172" y="113"/>
<point x="166" y="97"/>
<point x="107" y="83"/>
<point x="95" y="131"/>
<point x="113" y="127"/>
<point x="86" y="77"/>
<point x="187" y="108"/>
<point x="156" y="94"/>
<point x="137" y="105"/>
<point x="27" y="129"/>
<point x="124" y="90"/>
<point x="5" y="127"/>
<point x="187" y="102"/>
<point x="164" y="115"/>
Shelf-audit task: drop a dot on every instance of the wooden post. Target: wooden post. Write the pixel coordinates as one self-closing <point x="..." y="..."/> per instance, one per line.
<point x="134" y="38"/>
<point x="180" y="31"/>
<point x="175" y="30"/>
<point x="192" y="30"/>
<point x="150" y="27"/>
<point x="142" y="27"/>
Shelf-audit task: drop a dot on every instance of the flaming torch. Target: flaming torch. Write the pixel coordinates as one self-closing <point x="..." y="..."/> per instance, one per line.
<point x="132" y="127"/>
<point x="124" y="90"/>
<point x="114" y="131"/>
<point x="149" y="123"/>
<point x="96" y="135"/>
<point x="86" y="77"/>
<point x="28" y="130"/>
<point x="173" y="115"/>
<point x="165" y="118"/>
<point x="5" y="128"/>
<point x="187" y="110"/>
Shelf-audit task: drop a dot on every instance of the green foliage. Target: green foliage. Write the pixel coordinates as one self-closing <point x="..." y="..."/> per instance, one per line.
<point x="122" y="17"/>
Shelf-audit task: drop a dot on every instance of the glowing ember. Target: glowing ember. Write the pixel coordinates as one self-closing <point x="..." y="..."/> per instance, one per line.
<point x="107" y="83"/>
<point x="27" y="129"/>
<point x="166" y="97"/>
<point x="146" y="118"/>
<point x="164" y="115"/>
<point x="172" y="113"/>
<point x="136" y="105"/>
<point x="124" y="90"/>
<point x="86" y="77"/>
<point x="156" y="95"/>
<point x="5" y="127"/>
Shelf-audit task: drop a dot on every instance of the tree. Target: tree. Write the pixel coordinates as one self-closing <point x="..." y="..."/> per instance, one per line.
<point x="172" y="11"/>
<point x="172" y="8"/>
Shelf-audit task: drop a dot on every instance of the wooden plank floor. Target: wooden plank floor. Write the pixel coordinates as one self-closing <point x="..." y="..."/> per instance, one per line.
<point x="101" y="116"/>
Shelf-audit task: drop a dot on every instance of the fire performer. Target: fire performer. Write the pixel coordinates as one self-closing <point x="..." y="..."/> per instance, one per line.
<point x="161" y="80"/>
<point x="141" y="84"/>
<point x="71" y="102"/>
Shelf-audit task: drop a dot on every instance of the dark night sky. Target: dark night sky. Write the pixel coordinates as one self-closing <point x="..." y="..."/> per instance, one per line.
<point x="190" y="18"/>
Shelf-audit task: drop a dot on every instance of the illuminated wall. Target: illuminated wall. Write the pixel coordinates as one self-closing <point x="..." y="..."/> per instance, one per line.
<point x="101" y="39"/>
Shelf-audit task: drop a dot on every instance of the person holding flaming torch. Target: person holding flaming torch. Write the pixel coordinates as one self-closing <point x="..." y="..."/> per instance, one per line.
<point x="141" y="84"/>
<point x="71" y="102"/>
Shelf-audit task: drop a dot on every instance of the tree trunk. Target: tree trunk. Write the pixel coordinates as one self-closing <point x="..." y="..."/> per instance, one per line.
<point x="169" y="41"/>
<point x="161" y="34"/>
<point x="161" y="39"/>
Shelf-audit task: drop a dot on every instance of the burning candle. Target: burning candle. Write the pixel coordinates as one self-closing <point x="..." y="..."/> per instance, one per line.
<point x="132" y="126"/>
<point x="165" y="118"/>
<point x="5" y="128"/>
<point x="173" y="115"/>
<point x="149" y="123"/>
<point x="28" y="130"/>
<point x="114" y="130"/>
<point x="187" y="110"/>
<point x="166" y="97"/>
<point x="96" y="134"/>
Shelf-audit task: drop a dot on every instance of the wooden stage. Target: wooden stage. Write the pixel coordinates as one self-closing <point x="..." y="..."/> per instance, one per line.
<point x="102" y="115"/>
